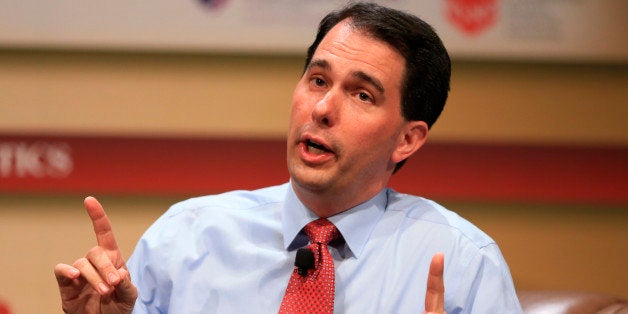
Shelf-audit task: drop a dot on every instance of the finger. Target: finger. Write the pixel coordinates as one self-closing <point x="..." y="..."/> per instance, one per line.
<point x="102" y="226"/>
<point x="435" y="293"/>
<point x="126" y="292"/>
<point x="69" y="280"/>
<point x="89" y="273"/>
<point x="103" y="264"/>
<point x="65" y="274"/>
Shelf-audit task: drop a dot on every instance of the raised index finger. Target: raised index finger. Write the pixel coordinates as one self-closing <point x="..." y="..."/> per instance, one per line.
<point x="102" y="227"/>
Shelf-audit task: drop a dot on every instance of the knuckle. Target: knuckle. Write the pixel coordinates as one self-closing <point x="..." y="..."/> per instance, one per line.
<point x="94" y="251"/>
<point x="81" y="263"/>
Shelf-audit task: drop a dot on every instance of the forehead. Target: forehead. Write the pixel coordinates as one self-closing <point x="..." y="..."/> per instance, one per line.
<point x="354" y="49"/>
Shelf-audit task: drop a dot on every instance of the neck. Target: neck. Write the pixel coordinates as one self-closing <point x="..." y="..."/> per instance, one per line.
<point x="328" y="203"/>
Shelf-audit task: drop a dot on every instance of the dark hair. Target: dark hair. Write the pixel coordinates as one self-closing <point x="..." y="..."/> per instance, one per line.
<point x="425" y="83"/>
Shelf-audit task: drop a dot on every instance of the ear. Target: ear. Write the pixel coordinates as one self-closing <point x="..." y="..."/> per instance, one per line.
<point x="412" y="137"/>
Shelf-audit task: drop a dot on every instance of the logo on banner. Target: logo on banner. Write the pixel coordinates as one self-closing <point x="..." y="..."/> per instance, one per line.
<point x="35" y="160"/>
<point x="472" y="16"/>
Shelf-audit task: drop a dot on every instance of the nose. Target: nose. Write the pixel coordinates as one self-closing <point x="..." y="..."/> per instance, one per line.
<point x="325" y="110"/>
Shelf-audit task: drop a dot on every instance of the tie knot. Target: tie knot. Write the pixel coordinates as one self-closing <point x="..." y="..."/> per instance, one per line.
<point x="321" y="231"/>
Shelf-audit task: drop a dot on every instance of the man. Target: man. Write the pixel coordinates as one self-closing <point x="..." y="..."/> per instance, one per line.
<point x="375" y="81"/>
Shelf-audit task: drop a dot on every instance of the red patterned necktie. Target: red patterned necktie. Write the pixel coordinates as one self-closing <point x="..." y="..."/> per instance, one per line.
<point x="314" y="293"/>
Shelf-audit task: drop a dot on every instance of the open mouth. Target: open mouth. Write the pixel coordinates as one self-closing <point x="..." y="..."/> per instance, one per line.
<point x="316" y="148"/>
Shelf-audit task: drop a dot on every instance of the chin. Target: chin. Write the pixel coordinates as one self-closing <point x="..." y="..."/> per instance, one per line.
<point x="307" y="178"/>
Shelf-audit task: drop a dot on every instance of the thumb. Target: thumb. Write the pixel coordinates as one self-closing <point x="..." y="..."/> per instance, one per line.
<point x="435" y="293"/>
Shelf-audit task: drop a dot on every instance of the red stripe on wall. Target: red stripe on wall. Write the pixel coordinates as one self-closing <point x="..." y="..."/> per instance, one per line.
<point x="519" y="173"/>
<point x="482" y="172"/>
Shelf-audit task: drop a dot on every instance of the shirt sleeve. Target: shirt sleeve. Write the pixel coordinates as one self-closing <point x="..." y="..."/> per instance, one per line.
<point x="148" y="269"/>
<point x="486" y="285"/>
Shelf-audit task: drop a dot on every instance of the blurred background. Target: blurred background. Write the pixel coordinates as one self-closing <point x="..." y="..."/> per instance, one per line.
<point x="145" y="104"/>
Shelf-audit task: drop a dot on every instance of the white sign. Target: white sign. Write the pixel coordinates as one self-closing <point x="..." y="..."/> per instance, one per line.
<point x="590" y="30"/>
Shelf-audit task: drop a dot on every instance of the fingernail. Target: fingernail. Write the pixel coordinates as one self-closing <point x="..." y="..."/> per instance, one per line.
<point x="103" y="288"/>
<point x="113" y="278"/>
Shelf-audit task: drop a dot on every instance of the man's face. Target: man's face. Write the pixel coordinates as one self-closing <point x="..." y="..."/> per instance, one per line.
<point x="346" y="124"/>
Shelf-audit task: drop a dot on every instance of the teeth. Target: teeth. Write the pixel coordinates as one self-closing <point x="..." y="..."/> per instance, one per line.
<point x="315" y="148"/>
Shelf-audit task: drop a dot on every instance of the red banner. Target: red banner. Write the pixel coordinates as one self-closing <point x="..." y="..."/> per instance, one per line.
<point x="137" y="165"/>
<point x="454" y="171"/>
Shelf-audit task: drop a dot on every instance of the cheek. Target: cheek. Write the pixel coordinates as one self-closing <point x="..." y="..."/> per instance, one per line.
<point x="299" y="102"/>
<point x="298" y="116"/>
<point x="373" y="128"/>
<point x="373" y="138"/>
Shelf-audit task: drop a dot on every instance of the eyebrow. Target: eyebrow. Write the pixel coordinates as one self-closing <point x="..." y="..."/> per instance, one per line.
<point x="357" y="74"/>
<point x="319" y="63"/>
<point x="367" y="78"/>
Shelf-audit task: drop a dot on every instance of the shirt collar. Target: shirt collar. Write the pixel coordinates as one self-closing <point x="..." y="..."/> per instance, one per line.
<point x="355" y="224"/>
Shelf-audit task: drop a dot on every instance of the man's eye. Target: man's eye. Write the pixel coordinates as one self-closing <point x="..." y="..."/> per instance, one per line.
<point x="319" y="82"/>
<point x="364" y="97"/>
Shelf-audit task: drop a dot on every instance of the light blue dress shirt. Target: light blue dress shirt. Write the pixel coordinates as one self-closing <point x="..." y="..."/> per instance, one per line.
<point x="234" y="253"/>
